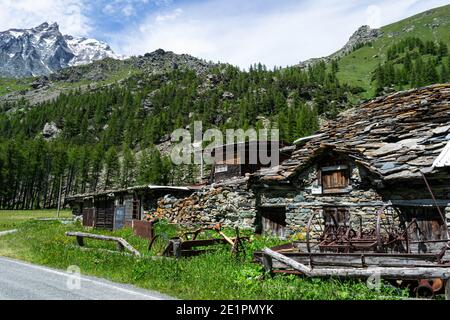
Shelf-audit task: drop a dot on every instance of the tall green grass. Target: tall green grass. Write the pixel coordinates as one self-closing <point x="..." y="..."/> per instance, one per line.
<point x="12" y="219"/>
<point x="215" y="275"/>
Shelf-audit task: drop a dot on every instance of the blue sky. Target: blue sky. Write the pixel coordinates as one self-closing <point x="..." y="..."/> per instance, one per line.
<point x="242" y="32"/>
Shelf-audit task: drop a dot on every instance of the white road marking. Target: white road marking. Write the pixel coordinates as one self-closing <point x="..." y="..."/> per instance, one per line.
<point x="61" y="273"/>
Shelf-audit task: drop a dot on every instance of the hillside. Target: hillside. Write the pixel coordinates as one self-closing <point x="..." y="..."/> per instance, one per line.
<point x="108" y="124"/>
<point x="357" y="67"/>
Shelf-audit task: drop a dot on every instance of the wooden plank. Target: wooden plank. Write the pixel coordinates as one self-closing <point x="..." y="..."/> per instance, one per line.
<point x="121" y="241"/>
<point x="200" y="243"/>
<point x="403" y="273"/>
<point x="290" y="262"/>
<point x="357" y="261"/>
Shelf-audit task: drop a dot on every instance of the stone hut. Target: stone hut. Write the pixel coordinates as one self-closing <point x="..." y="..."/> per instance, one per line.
<point x="393" y="150"/>
<point x="384" y="152"/>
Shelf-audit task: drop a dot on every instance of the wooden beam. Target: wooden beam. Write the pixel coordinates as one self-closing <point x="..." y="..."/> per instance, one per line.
<point x="121" y="242"/>
<point x="356" y="261"/>
<point x="334" y="168"/>
<point x="421" y="202"/>
<point x="288" y="261"/>
<point x="401" y="273"/>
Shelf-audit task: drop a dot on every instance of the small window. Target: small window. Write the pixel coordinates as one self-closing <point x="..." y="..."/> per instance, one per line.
<point x="335" y="179"/>
<point x="221" y="168"/>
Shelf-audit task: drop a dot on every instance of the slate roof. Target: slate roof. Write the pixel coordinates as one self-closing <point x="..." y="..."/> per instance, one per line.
<point x="127" y="190"/>
<point x="394" y="136"/>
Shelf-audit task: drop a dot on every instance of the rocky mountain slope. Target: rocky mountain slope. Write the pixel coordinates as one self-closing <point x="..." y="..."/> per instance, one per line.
<point x="362" y="36"/>
<point x="100" y="73"/>
<point x="367" y="48"/>
<point x="44" y="50"/>
<point x="356" y="68"/>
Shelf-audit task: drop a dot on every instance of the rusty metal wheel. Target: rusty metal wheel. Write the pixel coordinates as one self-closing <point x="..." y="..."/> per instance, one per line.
<point x="315" y="231"/>
<point x="390" y="231"/>
<point x="157" y="245"/>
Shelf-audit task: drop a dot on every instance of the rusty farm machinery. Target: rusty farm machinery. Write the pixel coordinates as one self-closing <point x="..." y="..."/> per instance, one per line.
<point x="196" y="242"/>
<point x="398" y="250"/>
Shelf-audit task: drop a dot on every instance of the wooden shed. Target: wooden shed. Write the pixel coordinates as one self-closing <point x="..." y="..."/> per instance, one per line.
<point x="114" y="209"/>
<point x="237" y="160"/>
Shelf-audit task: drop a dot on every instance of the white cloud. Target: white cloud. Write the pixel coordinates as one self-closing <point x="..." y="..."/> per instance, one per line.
<point x="169" y="17"/>
<point x="128" y="10"/>
<point x="109" y="9"/>
<point x="276" y="33"/>
<point x="279" y="34"/>
<point x="70" y="14"/>
<point x="374" y="16"/>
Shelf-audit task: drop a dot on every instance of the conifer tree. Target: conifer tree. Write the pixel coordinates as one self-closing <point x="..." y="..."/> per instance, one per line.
<point x="112" y="169"/>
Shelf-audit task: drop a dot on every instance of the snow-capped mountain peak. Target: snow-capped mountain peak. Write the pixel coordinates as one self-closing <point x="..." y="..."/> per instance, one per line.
<point x="43" y="50"/>
<point x="89" y="50"/>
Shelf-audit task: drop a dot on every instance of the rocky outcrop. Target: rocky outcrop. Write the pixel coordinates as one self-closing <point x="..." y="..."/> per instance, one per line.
<point x="161" y="61"/>
<point x="50" y="131"/>
<point x="362" y="36"/>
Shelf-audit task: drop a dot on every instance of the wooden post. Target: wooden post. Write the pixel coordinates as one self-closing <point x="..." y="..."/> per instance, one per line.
<point x="447" y="289"/>
<point x="176" y="243"/>
<point x="59" y="196"/>
<point x="267" y="262"/>
<point x="120" y="246"/>
<point x="80" y="241"/>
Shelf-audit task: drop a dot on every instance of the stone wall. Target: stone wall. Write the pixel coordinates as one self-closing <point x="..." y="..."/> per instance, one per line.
<point x="230" y="206"/>
<point x="362" y="201"/>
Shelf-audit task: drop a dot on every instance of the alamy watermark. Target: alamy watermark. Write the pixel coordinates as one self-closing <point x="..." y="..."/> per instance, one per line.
<point x="253" y="147"/>
<point x="74" y="278"/>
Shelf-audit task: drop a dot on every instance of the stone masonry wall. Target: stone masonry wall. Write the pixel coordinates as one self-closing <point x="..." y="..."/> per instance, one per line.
<point x="232" y="207"/>
<point x="362" y="201"/>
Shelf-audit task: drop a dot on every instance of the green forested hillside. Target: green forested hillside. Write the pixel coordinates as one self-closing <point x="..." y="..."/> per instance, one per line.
<point x="357" y="68"/>
<point x="107" y="119"/>
<point x="100" y="131"/>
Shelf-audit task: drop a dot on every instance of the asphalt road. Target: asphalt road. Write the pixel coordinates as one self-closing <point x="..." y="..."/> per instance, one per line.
<point x="24" y="281"/>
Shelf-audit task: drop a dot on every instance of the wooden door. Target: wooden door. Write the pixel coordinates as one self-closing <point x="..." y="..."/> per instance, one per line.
<point x="104" y="218"/>
<point x="429" y="228"/>
<point x="136" y="210"/>
<point x="273" y="221"/>
<point x="88" y="217"/>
